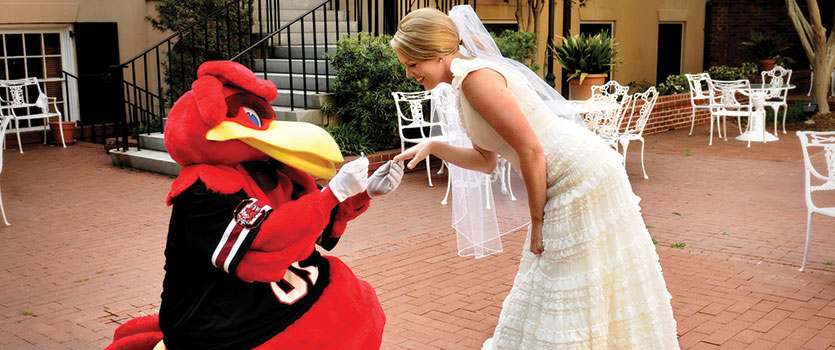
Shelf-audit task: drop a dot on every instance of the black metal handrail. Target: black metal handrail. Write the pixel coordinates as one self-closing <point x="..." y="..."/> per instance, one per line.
<point x="146" y="92"/>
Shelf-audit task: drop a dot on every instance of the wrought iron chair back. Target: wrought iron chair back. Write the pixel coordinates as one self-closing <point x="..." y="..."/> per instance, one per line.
<point x="817" y="140"/>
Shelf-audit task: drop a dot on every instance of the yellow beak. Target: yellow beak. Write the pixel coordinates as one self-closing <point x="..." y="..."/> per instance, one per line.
<point x="303" y="146"/>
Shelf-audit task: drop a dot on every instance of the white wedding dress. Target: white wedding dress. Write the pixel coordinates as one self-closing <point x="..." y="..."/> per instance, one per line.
<point x="598" y="284"/>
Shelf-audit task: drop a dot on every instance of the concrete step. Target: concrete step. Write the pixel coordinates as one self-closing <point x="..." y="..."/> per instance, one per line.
<point x="313" y="116"/>
<point x="314" y="100"/>
<point x="302" y="82"/>
<point x="296" y="38"/>
<point x="153" y="141"/>
<point x="147" y="160"/>
<point x="309" y="24"/>
<point x="321" y="66"/>
<point x="310" y="51"/>
<point x="289" y="14"/>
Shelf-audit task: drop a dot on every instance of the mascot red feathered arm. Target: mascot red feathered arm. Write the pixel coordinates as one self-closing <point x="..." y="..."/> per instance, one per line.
<point x="241" y="266"/>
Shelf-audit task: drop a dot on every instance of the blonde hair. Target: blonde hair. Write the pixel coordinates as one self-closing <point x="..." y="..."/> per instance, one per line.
<point x="425" y="34"/>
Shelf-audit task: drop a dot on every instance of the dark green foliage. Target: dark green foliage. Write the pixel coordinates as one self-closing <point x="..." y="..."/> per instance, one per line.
<point x="745" y="71"/>
<point x="675" y="84"/>
<point x="350" y="140"/>
<point x="638" y="86"/>
<point x="226" y="33"/>
<point x="582" y="54"/>
<point x="367" y="73"/>
<point x="766" y="46"/>
<point x="793" y="114"/>
<point x="518" y="45"/>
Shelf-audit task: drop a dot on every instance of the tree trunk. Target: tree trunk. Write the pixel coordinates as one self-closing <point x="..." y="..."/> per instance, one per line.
<point x="520" y="19"/>
<point x="819" y="50"/>
<point x="536" y="7"/>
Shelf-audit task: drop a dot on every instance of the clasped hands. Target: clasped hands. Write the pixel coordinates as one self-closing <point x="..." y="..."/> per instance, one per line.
<point x="353" y="179"/>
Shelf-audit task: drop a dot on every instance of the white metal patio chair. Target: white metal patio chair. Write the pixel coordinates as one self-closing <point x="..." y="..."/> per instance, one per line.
<point x="818" y="140"/>
<point x="412" y="126"/>
<point x="619" y="93"/>
<point x="727" y="104"/>
<point x="776" y="98"/>
<point x="4" y="123"/>
<point x="26" y="101"/>
<point x="701" y="96"/>
<point x="636" y="125"/>
<point x="603" y="114"/>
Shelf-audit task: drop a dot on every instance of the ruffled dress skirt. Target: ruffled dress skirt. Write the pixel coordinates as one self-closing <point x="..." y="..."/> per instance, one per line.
<point x="598" y="284"/>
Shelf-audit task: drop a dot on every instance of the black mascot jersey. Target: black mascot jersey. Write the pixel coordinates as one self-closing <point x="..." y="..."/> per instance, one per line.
<point x="204" y="304"/>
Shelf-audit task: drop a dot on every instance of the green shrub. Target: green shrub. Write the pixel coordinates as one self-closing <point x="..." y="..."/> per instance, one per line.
<point x="793" y="114"/>
<point x="638" y="86"/>
<point x="674" y="84"/>
<point x="518" y="45"/>
<point x="209" y="42"/>
<point x="367" y="73"/>
<point x="733" y="73"/>
<point x="350" y="140"/>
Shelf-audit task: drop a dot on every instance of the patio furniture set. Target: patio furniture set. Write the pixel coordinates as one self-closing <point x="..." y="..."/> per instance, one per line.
<point x="741" y="99"/>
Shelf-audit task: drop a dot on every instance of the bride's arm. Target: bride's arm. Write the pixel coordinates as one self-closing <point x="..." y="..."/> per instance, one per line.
<point x="487" y="92"/>
<point x="475" y="158"/>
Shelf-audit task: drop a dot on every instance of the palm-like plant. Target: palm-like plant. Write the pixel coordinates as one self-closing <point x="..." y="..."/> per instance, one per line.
<point x="766" y="46"/>
<point x="586" y="54"/>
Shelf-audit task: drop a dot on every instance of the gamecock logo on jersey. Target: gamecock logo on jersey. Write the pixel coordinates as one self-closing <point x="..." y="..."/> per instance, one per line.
<point x="251" y="212"/>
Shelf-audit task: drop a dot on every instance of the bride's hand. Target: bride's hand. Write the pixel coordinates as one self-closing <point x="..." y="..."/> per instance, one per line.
<point x="416" y="153"/>
<point x="537" y="247"/>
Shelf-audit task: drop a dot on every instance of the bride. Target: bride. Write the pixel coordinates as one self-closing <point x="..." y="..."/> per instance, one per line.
<point x="589" y="277"/>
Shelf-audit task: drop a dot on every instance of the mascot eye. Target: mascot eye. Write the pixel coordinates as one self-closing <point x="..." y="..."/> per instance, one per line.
<point x="253" y="116"/>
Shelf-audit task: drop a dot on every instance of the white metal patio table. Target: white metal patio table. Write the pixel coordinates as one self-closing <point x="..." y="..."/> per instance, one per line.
<point x="758" y="93"/>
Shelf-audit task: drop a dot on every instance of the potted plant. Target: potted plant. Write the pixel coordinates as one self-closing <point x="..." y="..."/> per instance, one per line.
<point x="589" y="59"/>
<point x="765" y="48"/>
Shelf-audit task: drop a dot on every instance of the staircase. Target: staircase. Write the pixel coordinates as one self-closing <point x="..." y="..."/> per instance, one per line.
<point x="302" y="76"/>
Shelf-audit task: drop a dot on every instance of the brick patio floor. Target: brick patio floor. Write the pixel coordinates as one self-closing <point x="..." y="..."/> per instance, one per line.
<point x="85" y="250"/>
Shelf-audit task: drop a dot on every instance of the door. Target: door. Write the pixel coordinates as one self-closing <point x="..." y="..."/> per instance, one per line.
<point x="97" y="49"/>
<point x="669" y="50"/>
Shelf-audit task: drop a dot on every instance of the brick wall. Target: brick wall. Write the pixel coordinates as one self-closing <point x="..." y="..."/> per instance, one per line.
<point x="671" y="112"/>
<point x="733" y="20"/>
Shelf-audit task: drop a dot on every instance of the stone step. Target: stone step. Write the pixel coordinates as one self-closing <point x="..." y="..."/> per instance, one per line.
<point x="153" y="141"/>
<point x="309" y="51"/>
<point x="322" y="66"/>
<point x="313" y="116"/>
<point x="297" y="38"/>
<point x="147" y="160"/>
<point x="301" y="82"/>
<point x="314" y="100"/>
<point x="309" y="24"/>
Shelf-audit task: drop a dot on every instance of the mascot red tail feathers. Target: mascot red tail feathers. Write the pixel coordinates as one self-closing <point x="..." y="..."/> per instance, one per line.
<point x="242" y="270"/>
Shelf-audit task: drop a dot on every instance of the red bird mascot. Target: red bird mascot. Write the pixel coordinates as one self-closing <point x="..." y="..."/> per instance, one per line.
<point x="241" y="268"/>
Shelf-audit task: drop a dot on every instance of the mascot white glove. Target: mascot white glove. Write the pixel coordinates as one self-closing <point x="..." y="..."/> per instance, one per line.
<point x="385" y="179"/>
<point x="351" y="179"/>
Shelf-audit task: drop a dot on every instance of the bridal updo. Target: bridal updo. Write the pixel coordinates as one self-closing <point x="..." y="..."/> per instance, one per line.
<point x="425" y="34"/>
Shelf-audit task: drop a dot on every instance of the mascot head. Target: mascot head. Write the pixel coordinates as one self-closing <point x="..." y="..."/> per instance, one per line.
<point x="227" y="119"/>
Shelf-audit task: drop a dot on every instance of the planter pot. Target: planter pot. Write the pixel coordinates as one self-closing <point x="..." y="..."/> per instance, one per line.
<point x="765" y="64"/>
<point x="69" y="132"/>
<point x="583" y="91"/>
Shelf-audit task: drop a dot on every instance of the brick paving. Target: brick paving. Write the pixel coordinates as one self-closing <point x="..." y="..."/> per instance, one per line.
<point x="84" y="252"/>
